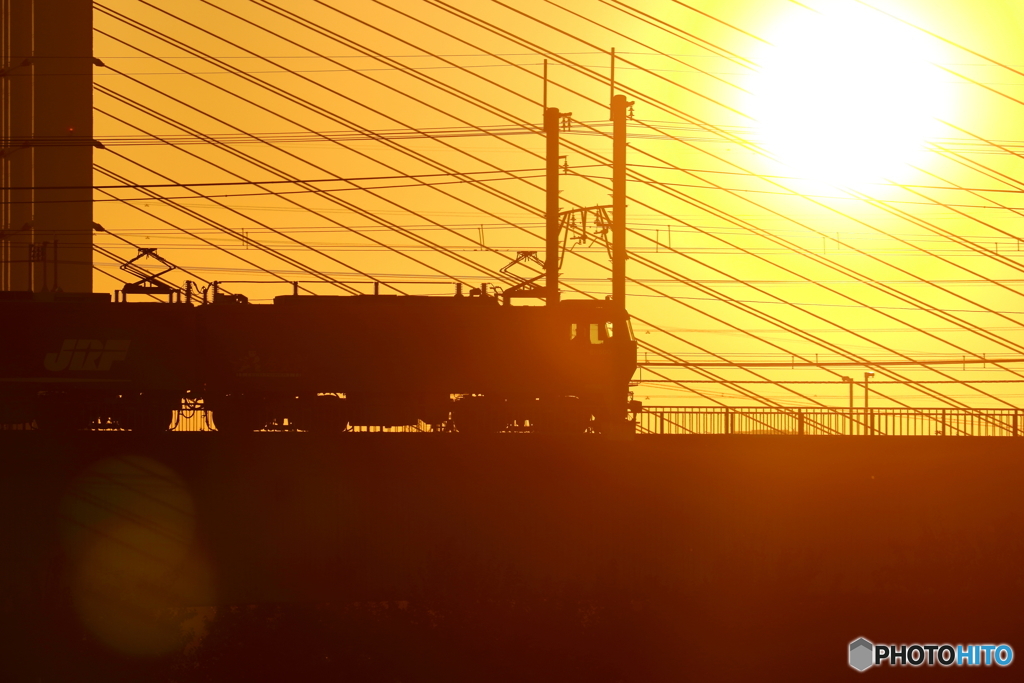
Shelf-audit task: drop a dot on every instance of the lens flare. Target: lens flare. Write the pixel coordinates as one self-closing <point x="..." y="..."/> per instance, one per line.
<point x="128" y="528"/>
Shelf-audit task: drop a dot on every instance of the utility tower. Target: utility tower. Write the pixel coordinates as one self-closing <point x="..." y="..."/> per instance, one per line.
<point x="46" y="224"/>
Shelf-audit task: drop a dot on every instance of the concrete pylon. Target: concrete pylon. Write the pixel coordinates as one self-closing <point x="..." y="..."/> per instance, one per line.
<point x="46" y="126"/>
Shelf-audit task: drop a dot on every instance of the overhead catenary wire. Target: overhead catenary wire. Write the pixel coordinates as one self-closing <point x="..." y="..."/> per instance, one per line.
<point x="368" y="216"/>
<point x="267" y="193"/>
<point x="153" y="186"/>
<point x="461" y="94"/>
<point x="337" y="10"/>
<point x="465" y="262"/>
<point x="382" y="3"/>
<point x="257" y="244"/>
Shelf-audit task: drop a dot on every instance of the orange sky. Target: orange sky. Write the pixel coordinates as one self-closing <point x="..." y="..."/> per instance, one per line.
<point x="736" y="257"/>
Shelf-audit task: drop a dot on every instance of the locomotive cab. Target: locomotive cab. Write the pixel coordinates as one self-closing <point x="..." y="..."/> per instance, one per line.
<point x="601" y="357"/>
<point x="567" y="371"/>
<point x="317" y="363"/>
<point x="597" y="323"/>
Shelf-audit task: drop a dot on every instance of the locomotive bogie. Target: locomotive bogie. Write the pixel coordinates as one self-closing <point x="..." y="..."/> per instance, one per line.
<point x="81" y="409"/>
<point x="150" y="413"/>
<point x="239" y="413"/>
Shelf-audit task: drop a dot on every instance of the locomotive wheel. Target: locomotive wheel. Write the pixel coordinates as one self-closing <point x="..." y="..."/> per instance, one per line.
<point x="62" y="413"/>
<point x="615" y="423"/>
<point x="146" y="414"/>
<point x="238" y="414"/>
<point x="234" y="420"/>
<point x="617" y="430"/>
<point x="152" y="420"/>
<point x="479" y="415"/>
<point x="561" y="416"/>
<point x="322" y="414"/>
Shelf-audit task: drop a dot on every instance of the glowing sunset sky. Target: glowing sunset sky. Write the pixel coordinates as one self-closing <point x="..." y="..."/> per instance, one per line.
<point x="814" y="181"/>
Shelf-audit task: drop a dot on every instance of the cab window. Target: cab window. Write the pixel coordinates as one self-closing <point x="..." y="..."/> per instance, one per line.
<point x="593" y="333"/>
<point x="600" y="332"/>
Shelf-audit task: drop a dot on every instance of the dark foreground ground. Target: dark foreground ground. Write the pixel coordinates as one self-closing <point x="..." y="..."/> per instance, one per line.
<point x="443" y="558"/>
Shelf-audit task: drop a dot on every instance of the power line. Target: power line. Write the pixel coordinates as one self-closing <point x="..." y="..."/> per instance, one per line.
<point x="519" y="40"/>
<point x="266" y="182"/>
<point x="737" y="190"/>
<point x="268" y="193"/>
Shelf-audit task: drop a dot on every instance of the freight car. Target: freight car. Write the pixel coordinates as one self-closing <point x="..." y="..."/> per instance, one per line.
<point x="71" y="361"/>
<point x="317" y="363"/>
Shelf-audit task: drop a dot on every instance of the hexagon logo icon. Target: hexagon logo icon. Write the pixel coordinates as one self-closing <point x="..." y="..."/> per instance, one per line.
<point x="861" y="654"/>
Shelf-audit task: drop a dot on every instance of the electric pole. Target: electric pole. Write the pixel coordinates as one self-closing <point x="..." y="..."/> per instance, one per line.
<point x="552" y="120"/>
<point x="620" y="108"/>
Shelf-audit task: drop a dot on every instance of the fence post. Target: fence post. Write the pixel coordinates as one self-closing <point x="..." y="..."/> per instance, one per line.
<point x="885" y="421"/>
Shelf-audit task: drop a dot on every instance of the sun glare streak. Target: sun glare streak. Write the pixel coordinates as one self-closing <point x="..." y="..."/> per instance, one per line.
<point x="846" y="96"/>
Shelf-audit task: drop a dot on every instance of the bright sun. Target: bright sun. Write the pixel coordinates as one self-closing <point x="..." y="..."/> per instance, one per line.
<point x="847" y="95"/>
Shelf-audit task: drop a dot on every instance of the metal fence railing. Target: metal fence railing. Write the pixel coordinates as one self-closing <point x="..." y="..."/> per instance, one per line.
<point x="835" y="421"/>
<point x="193" y="417"/>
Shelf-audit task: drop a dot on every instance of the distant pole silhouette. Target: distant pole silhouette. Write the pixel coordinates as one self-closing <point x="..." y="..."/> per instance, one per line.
<point x="620" y="108"/>
<point x="552" y="120"/>
<point x="849" y="381"/>
<point x="869" y="421"/>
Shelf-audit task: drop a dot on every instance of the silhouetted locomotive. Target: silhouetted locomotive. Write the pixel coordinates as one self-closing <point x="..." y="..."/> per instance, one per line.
<point x="319" y="363"/>
<point x="472" y="363"/>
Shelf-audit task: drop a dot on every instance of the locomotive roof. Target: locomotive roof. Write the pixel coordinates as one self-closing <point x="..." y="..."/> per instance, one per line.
<point x="383" y="300"/>
<point x="401" y="300"/>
